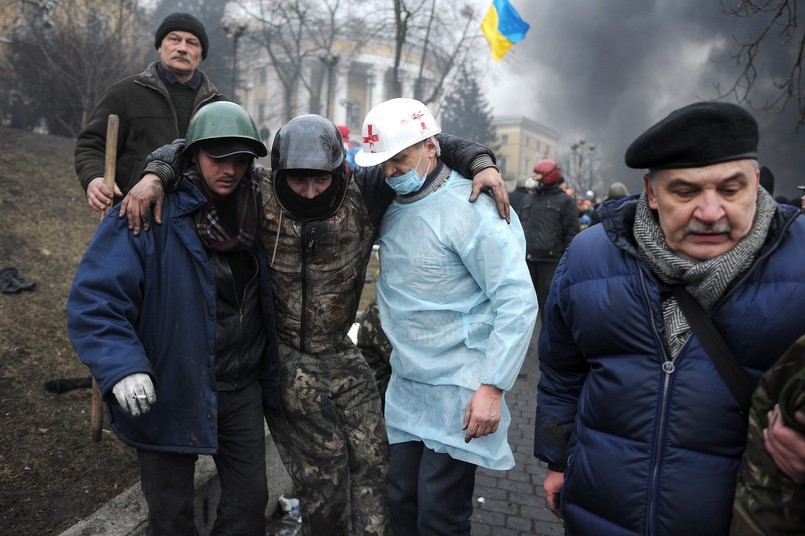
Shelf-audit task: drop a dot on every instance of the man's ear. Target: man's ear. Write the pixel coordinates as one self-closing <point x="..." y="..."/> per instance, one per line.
<point x="430" y="147"/>
<point x="652" y="198"/>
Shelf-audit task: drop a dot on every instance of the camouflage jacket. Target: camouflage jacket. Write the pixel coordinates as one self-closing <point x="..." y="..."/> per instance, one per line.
<point x="315" y="311"/>
<point x="767" y="501"/>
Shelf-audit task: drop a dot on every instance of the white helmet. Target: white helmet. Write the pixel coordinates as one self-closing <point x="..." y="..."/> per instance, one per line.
<point x="392" y="126"/>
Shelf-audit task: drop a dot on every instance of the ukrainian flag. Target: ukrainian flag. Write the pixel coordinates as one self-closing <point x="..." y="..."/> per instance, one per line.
<point x="502" y="27"/>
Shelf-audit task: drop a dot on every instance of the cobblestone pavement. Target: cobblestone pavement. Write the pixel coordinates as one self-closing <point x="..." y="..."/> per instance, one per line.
<point x="506" y="503"/>
<point x="512" y="503"/>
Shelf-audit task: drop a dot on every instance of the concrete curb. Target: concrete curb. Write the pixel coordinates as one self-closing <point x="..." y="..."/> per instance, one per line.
<point x="127" y="514"/>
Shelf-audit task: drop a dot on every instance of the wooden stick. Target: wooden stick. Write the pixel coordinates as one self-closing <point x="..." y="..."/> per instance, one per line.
<point x="110" y="160"/>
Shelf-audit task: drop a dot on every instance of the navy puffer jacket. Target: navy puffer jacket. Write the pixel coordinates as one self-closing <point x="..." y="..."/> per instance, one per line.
<point x="645" y="451"/>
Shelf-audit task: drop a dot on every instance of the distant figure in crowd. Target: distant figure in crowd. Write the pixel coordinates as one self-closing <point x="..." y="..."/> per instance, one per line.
<point x="319" y="221"/>
<point x="550" y="220"/>
<point x="770" y="496"/>
<point x="641" y="433"/>
<point x="802" y="199"/>
<point x="767" y="179"/>
<point x="458" y="307"/>
<point x="154" y="107"/>
<point x="178" y="327"/>
<point x="617" y="190"/>
<point x="265" y="134"/>
<point x="519" y="192"/>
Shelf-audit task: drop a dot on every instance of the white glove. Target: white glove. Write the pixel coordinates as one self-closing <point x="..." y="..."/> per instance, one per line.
<point x="135" y="393"/>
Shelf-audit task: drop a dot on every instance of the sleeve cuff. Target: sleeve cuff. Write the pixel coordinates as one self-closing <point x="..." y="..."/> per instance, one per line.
<point x="482" y="162"/>
<point x="164" y="172"/>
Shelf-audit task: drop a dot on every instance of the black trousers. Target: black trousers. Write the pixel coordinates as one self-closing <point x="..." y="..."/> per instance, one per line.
<point x="541" y="276"/>
<point x="167" y="477"/>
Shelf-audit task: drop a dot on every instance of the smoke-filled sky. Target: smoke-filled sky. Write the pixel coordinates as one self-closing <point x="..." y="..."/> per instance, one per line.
<point x="606" y="70"/>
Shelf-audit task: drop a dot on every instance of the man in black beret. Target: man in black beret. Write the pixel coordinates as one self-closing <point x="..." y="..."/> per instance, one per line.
<point x="627" y="386"/>
<point x="154" y="109"/>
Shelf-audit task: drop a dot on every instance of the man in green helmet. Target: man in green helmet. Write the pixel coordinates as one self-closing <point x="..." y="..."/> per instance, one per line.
<point x="178" y="327"/>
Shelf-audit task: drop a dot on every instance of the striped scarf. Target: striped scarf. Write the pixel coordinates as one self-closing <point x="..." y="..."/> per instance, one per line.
<point x="237" y="232"/>
<point x="706" y="280"/>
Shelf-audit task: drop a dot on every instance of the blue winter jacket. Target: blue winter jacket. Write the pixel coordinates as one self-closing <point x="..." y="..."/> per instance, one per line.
<point x="147" y="304"/>
<point x="645" y="451"/>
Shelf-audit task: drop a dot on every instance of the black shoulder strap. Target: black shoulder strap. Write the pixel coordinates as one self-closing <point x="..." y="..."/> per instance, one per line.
<point x="720" y="354"/>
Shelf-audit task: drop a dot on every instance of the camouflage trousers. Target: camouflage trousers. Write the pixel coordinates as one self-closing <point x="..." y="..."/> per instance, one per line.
<point x="332" y="439"/>
<point x="375" y="345"/>
<point x="767" y="501"/>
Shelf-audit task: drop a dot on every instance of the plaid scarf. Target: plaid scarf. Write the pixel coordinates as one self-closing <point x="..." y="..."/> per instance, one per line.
<point x="706" y="280"/>
<point x="237" y="233"/>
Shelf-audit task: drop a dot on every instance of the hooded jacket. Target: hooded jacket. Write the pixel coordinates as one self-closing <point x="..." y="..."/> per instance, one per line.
<point x="147" y="121"/>
<point x="148" y="304"/>
<point x="645" y="451"/>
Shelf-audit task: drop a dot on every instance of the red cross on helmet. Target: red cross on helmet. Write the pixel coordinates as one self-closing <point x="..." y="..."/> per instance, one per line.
<point x="392" y="126"/>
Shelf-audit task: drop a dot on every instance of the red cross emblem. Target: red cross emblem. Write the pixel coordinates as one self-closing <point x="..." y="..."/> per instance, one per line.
<point x="371" y="139"/>
<point x="419" y="115"/>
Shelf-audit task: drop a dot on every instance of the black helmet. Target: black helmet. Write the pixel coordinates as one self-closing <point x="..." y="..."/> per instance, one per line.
<point x="309" y="144"/>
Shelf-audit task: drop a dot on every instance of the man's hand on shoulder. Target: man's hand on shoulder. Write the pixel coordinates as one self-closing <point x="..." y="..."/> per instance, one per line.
<point x="138" y="202"/>
<point x="490" y="179"/>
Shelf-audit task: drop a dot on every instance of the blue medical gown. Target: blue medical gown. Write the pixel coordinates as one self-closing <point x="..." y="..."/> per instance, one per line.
<point x="457" y="303"/>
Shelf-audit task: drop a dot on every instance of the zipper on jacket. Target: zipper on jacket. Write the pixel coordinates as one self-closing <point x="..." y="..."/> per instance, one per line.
<point x="303" y="312"/>
<point x="240" y="299"/>
<point x="668" y="368"/>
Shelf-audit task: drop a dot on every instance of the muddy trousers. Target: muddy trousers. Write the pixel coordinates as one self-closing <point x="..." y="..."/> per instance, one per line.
<point x="167" y="477"/>
<point x="332" y="439"/>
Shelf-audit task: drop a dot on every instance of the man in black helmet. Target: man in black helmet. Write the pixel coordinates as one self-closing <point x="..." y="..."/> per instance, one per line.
<point x="318" y="230"/>
<point x="178" y="327"/>
<point x="154" y="109"/>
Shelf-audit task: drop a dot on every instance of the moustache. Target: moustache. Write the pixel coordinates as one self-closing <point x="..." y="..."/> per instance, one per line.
<point x="703" y="228"/>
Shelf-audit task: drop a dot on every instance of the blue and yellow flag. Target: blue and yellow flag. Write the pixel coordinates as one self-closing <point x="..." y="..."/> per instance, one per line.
<point x="502" y="27"/>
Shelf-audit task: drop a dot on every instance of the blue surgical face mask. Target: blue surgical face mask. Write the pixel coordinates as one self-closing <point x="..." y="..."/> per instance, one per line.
<point x="411" y="181"/>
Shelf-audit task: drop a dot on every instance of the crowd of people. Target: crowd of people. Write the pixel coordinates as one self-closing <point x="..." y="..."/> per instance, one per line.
<point x="217" y="299"/>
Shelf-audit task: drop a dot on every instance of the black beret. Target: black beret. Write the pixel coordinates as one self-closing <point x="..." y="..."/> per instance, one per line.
<point x="183" y="22"/>
<point x="697" y="135"/>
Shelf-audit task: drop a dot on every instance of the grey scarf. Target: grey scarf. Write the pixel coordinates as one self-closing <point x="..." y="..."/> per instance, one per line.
<point x="707" y="280"/>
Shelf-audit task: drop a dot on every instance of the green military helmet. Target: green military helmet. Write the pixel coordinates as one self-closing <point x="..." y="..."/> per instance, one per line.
<point x="223" y="129"/>
<point x="617" y="190"/>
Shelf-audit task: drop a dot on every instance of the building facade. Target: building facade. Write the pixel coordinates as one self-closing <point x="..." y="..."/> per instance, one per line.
<point x="523" y="142"/>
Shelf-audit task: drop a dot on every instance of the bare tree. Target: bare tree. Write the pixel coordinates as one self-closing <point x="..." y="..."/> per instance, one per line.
<point x="581" y="167"/>
<point x="60" y="59"/>
<point x="299" y="37"/>
<point x="779" y="26"/>
<point x="444" y="36"/>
